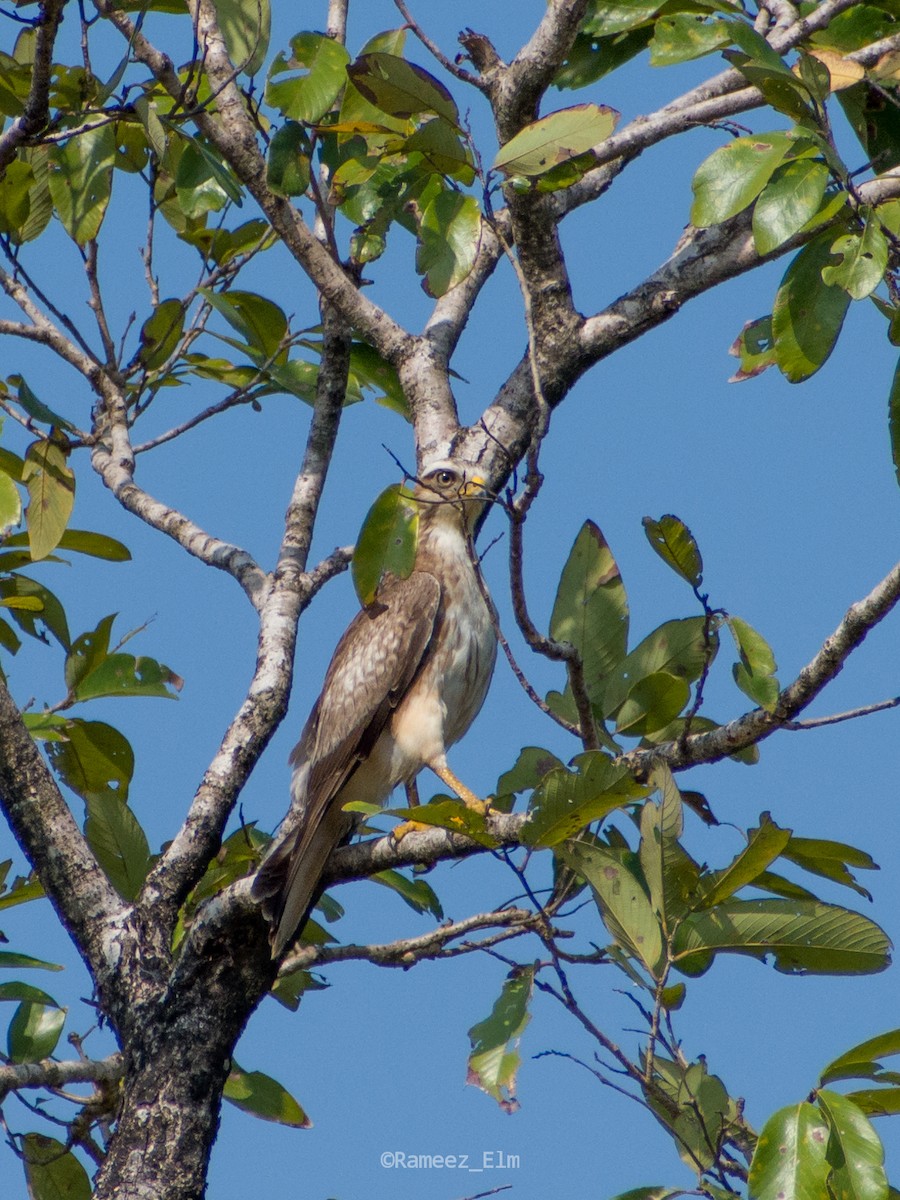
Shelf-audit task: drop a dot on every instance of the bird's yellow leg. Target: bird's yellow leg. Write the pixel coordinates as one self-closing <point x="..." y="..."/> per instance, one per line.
<point x="405" y="827"/>
<point x="456" y="785"/>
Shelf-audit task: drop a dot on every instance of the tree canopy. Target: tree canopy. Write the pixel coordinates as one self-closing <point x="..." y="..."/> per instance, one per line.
<point x="242" y="246"/>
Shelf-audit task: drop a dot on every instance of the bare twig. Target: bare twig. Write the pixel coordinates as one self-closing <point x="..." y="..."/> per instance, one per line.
<point x="851" y="715"/>
<point x="408" y="951"/>
<point x="435" y="51"/>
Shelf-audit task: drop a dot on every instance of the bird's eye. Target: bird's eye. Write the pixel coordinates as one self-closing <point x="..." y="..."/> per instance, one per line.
<point x="445" y="478"/>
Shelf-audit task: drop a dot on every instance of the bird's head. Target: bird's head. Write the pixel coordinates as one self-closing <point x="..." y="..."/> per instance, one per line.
<point x="451" y="492"/>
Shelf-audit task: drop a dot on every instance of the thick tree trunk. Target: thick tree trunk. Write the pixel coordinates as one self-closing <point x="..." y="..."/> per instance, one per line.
<point x="177" y="1049"/>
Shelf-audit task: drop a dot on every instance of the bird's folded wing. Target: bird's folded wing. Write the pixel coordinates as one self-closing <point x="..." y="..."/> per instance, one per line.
<point x="373" y="666"/>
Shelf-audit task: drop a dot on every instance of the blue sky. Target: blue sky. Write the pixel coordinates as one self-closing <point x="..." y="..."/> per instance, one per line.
<point x="791" y="494"/>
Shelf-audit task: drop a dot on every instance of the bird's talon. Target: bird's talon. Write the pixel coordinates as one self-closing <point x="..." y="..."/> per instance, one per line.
<point x="405" y="827"/>
<point x="483" y="807"/>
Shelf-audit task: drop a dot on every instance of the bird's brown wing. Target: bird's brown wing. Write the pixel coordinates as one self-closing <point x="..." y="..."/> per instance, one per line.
<point x="373" y="666"/>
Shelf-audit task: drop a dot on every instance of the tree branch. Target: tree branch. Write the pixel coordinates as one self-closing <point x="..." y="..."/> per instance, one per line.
<point x="233" y="134"/>
<point x="408" y="951"/>
<point x="50" y="1074"/>
<point x="37" y="106"/>
<point x="85" y="900"/>
<point x="286" y="594"/>
<point x="112" y="457"/>
<point x="754" y="727"/>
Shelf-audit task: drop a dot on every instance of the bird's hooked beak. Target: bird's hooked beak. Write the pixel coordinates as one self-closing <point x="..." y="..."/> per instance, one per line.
<point x="475" y="489"/>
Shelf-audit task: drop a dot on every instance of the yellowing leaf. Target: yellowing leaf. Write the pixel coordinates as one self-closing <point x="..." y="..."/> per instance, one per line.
<point x="51" y="489"/>
<point x="545" y="144"/>
<point x="844" y="72"/>
<point x="494" y="1060"/>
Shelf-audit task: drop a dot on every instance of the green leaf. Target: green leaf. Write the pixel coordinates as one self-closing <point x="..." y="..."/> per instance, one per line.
<point x="260" y="321"/>
<point x="494" y="1060"/>
<point x="51" y="491"/>
<point x="755" y="347"/>
<point x="288" y="990"/>
<point x="532" y="764"/>
<point x="863" y="259"/>
<point x="789" y="200"/>
<point x="81" y="541"/>
<point x="789" y="1160"/>
<point x="670" y="872"/>
<point x="88" y="651"/>
<point x="854" y="1152"/>
<point x="734" y="175"/>
<point x="591" y="608"/>
<point x="449" y="236"/>
<point x="15" y="201"/>
<point x="805" y="937"/>
<point x="448" y="814"/>
<point x="17" y="991"/>
<point x="81" y="181"/>
<point x="764" y="845"/>
<point x="808" y="315"/>
<point x="676" y="546"/>
<point x="11" y="464"/>
<point x="245" y="26"/>
<point x="567" y="801"/>
<point x="34" y="1031"/>
<point x="624" y="904"/>
<point x="591" y="57"/>
<point x="199" y="185"/>
<point x="418" y="894"/>
<point x="876" y="124"/>
<point x="684" y="36"/>
<point x="23" y="890"/>
<point x="51" y="614"/>
<point x="681" y="647"/>
<point x="755" y="673"/>
<point x="785" y="92"/>
<point x="652" y="703"/>
<point x="10" y="504"/>
<point x="37" y="408"/>
<point x="699" y="1111"/>
<point x="847" y="1065"/>
<point x="261" y="1096"/>
<point x="546" y="143"/>
<point x="94" y="759"/>
<point x="53" y="1172"/>
<point x="118" y="841"/>
<point x="878" y="1102"/>
<point x="604" y="19"/>
<point x="18" y="962"/>
<point x="40" y="201"/>
<point x="386" y="542"/>
<point x="287" y="164"/>
<point x="306" y="85"/>
<point x="829" y="859"/>
<point x="161" y="333"/>
<point x="125" y="675"/>
<point x="439" y="144"/>
<point x="400" y="88"/>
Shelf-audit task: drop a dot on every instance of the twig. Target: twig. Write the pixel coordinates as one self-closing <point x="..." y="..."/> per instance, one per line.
<point x="96" y="303"/>
<point x="437" y="53"/>
<point x="851" y="715"/>
<point x="408" y="951"/>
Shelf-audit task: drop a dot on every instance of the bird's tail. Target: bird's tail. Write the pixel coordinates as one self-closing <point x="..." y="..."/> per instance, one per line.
<point x="289" y="881"/>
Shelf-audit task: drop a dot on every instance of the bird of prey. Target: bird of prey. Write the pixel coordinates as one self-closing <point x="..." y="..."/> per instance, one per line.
<point x="406" y="681"/>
